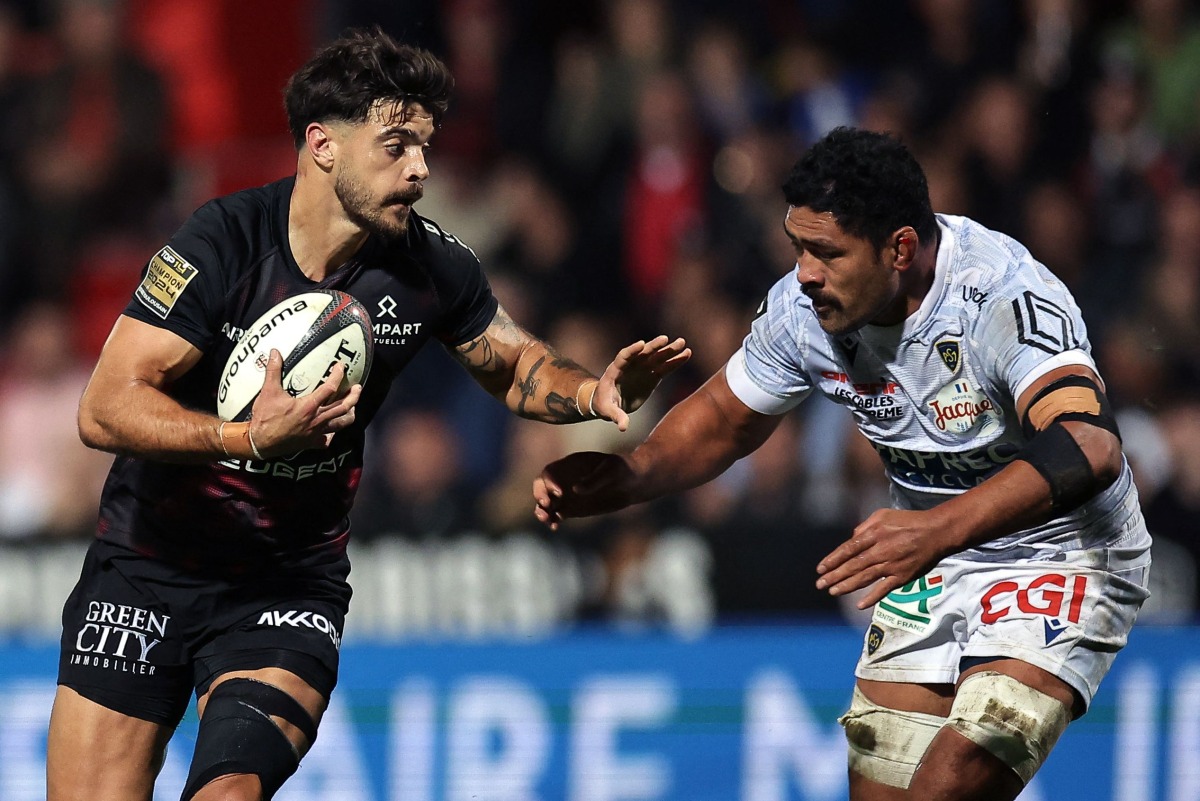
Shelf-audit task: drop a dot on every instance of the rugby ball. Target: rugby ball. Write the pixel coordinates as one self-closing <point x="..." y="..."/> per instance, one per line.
<point x="312" y="331"/>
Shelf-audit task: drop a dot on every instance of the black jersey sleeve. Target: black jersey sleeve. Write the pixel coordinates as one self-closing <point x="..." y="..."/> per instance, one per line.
<point x="184" y="284"/>
<point x="470" y="306"/>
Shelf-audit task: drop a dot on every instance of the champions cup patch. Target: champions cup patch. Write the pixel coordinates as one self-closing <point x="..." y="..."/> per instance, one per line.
<point x="960" y="408"/>
<point x="909" y="606"/>
<point x="167" y="275"/>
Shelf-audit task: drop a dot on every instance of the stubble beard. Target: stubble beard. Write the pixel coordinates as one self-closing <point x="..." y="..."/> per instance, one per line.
<point x="362" y="210"/>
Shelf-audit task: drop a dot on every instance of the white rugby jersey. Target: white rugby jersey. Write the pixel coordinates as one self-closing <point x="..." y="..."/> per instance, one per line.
<point x="935" y="395"/>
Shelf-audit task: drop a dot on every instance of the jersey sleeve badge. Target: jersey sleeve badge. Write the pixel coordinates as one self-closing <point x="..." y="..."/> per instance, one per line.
<point x="167" y="275"/>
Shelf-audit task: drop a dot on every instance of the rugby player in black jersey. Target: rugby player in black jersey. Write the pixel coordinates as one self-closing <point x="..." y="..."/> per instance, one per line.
<point x="220" y="562"/>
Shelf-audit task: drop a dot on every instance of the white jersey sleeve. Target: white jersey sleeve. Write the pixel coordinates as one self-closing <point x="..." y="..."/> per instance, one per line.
<point x="767" y="372"/>
<point x="1030" y="325"/>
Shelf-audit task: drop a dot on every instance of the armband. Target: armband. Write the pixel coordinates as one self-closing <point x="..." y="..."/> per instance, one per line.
<point x="1074" y="397"/>
<point x="1057" y="456"/>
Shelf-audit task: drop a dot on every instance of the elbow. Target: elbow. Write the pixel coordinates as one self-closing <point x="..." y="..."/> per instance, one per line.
<point x="1108" y="461"/>
<point x="1103" y="451"/>
<point x="92" y="431"/>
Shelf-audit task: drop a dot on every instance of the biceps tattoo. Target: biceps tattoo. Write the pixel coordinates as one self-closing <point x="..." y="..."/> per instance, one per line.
<point x="479" y="355"/>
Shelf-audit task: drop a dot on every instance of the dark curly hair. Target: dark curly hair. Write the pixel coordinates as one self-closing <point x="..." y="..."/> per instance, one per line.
<point x="868" y="180"/>
<point x="347" y="77"/>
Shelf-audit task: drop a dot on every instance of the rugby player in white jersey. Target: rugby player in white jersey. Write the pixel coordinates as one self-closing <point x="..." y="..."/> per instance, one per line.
<point x="1014" y="560"/>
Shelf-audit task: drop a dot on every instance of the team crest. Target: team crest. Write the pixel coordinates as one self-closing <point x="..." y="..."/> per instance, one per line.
<point x="948" y="350"/>
<point x="874" y="639"/>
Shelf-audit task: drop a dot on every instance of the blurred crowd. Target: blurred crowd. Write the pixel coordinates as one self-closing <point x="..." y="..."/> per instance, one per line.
<point x="616" y="166"/>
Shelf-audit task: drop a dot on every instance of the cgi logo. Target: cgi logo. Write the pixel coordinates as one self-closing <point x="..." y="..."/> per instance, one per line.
<point x="1044" y="595"/>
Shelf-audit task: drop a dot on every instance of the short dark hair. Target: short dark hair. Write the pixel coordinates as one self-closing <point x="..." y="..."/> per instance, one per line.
<point x="869" y="181"/>
<point x="347" y="77"/>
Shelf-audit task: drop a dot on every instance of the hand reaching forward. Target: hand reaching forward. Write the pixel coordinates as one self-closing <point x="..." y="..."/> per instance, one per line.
<point x="634" y="374"/>
<point x="583" y="484"/>
<point x="281" y="424"/>
<point x="890" y="548"/>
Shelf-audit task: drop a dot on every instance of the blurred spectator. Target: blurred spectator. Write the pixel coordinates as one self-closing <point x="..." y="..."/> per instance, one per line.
<point x="960" y="42"/>
<point x="1163" y="38"/>
<point x="947" y="182"/>
<point x="1132" y="359"/>
<point x="587" y="115"/>
<point x="95" y="146"/>
<point x="1055" y="63"/>
<point x="1173" y="513"/>
<point x="730" y="97"/>
<point x="416" y="487"/>
<point x="12" y="280"/>
<point x="1055" y="229"/>
<point x="1124" y="169"/>
<point x="506" y="504"/>
<point x="1172" y="288"/>
<point x="643" y="39"/>
<point x="665" y="190"/>
<point x="820" y="94"/>
<point x="540" y="249"/>
<point x="998" y="160"/>
<point x="50" y="486"/>
<point x="475" y="31"/>
<point x="766" y="540"/>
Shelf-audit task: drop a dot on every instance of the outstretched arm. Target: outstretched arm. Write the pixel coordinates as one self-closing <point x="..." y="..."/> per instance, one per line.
<point x="125" y="408"/>
<point x="537" y="382"/>
<point x="696" y="441"/>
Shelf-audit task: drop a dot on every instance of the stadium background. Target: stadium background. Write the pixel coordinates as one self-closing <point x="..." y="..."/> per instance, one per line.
<point x="615" y="164"/>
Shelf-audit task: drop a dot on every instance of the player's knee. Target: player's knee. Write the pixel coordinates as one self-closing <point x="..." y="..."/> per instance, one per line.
<point x="886" y="745"/>
<point x="1010" y="720"/>
<point x="238" y="736"/>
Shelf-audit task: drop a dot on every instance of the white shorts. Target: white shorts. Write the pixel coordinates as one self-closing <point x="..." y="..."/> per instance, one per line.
<point x="1068" y="615"/>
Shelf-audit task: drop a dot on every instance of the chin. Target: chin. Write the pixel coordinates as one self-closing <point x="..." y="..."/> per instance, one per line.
<point x="389" y="230"/>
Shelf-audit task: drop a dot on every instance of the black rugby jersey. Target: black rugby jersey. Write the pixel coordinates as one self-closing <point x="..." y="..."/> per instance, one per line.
<point x="228" y="264"/>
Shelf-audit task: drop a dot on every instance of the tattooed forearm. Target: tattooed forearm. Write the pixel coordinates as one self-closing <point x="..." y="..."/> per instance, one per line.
<point x="561" y="409"/>
<point x="533" y="379"/>
<point x="529" y="385"/>
<point x="550" y="388"/>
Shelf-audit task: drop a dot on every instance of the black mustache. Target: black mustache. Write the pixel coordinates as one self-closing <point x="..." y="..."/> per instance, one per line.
<point x="407" y="198"/>
<point x="817" y="298"/>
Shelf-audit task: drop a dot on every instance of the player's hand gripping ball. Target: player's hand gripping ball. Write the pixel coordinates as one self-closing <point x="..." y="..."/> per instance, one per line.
<point x="313" y="331"/>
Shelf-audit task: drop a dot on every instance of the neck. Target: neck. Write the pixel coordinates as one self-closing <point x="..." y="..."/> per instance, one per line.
<point x="915" y="283"/>
<point x="321" y="236"/>
<point x="920" y="276"/>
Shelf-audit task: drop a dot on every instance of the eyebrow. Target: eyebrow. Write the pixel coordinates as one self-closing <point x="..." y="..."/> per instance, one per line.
<point x="811" y="244"/>
<point x="401" y="130"/>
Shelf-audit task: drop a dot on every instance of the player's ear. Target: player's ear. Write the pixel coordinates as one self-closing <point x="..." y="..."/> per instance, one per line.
<point x="319" y="142"/>
<point x="904" y="243"/>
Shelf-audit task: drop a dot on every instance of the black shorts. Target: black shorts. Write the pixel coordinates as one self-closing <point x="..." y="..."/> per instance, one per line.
<point x="139" y="634"/>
